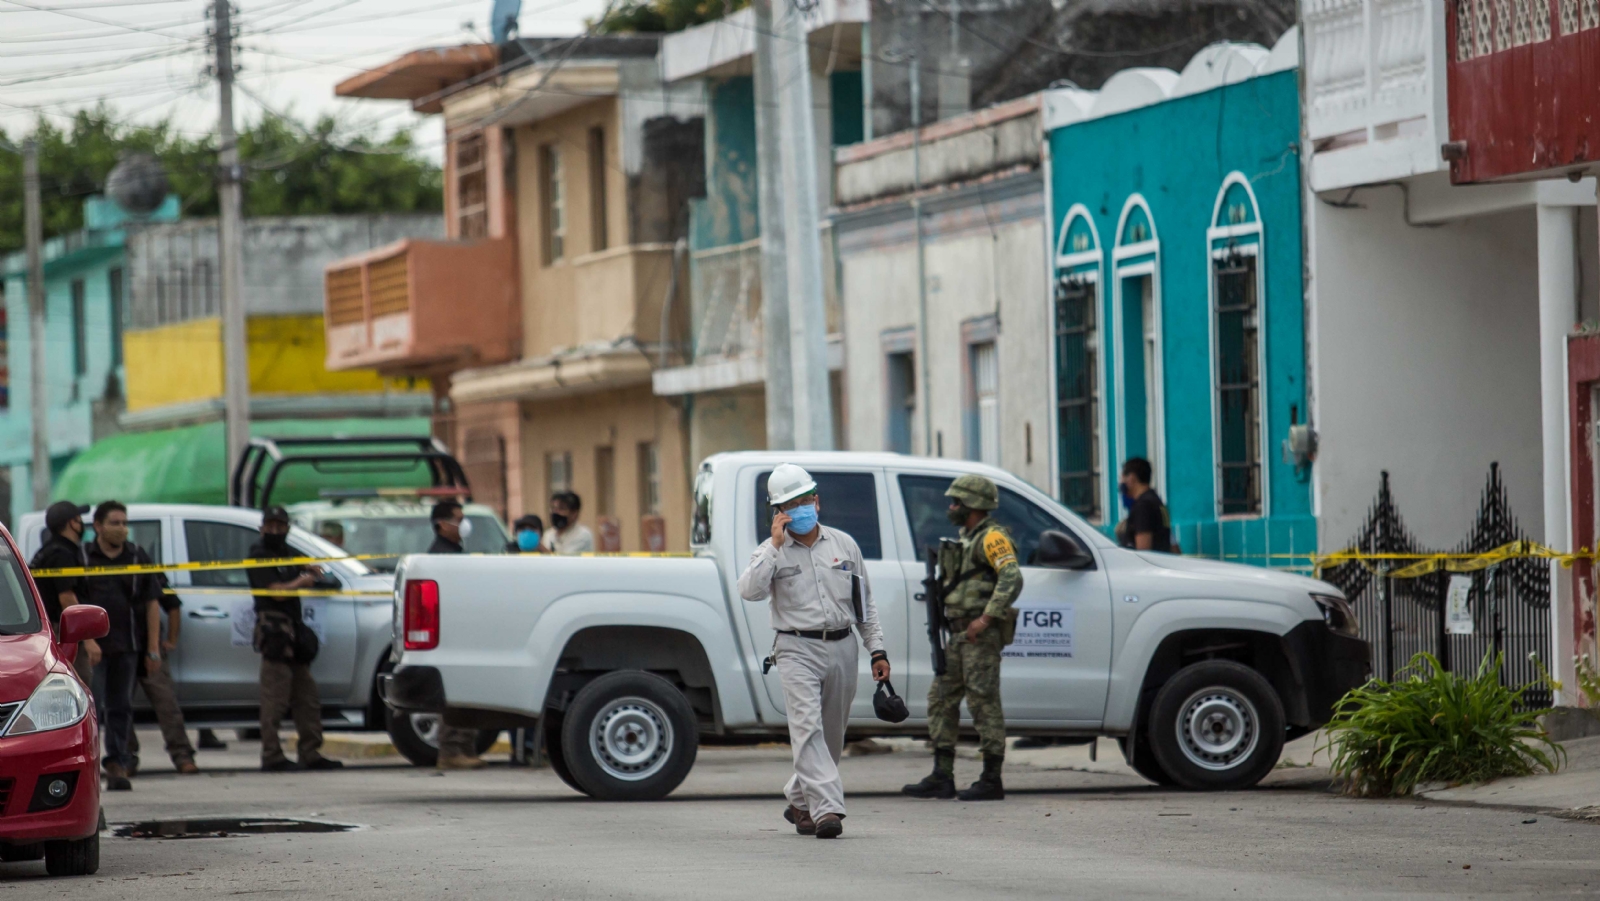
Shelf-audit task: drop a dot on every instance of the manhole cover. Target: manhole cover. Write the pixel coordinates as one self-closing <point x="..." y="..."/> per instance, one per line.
<point x="223" y="827"/>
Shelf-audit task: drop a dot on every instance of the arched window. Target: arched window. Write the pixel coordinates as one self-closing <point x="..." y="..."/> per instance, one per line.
<point x="1238" y="349"/>
<point x="1136" y="335"/>
<point x="1079" y="433"/>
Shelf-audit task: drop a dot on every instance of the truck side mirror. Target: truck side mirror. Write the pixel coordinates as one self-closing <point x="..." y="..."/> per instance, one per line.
<point x="1059" y="550"/>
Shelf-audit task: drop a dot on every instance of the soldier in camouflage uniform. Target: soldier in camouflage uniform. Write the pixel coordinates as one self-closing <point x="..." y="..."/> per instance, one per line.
<point x="982" y="580"/>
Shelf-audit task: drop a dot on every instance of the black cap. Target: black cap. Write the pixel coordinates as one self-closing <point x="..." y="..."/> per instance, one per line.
<point x="275" y="513"/>
<point x="528" y="521"/>
<point x="60" y="513"/>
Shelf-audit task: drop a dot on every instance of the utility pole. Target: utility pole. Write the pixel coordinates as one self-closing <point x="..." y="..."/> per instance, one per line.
<point x="774" y="250"/>
<point x="230" y="246"/>
<point x="38" y="402"/>
<point x="808" y="347"/>
<point x="922" y="262"/>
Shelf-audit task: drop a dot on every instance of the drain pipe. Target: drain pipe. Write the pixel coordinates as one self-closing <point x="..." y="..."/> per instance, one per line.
<point x="922" y="276"/>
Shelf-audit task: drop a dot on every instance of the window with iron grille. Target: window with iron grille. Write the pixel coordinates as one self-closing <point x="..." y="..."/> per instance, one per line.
<point x="472" y="187"/>
<point x="1078" y="448"/>
<point x="80" y="333"/>
<point x="1238" y="385"/>
<point x="555" y="207"/>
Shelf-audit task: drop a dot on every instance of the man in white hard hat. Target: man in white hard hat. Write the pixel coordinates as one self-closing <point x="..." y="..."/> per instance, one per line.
<point x="818" y="587"/>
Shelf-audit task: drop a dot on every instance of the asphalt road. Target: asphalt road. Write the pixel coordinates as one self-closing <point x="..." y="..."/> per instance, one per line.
<point x="1063" y="833"/>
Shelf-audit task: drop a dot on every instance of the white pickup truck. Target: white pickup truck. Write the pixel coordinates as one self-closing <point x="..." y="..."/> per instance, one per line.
<point x="1200" y="669"/>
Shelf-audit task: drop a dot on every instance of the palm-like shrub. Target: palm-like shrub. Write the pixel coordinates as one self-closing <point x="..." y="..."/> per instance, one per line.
<point x="1431" y="725"/>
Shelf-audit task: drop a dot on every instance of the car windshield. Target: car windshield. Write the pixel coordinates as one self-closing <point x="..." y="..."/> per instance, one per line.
<point x="409" y="534"/>
<point x="19" y="615"/>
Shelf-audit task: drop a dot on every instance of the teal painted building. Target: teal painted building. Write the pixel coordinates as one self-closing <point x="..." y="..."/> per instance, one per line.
<point x="85" y="296"/>
<point x="1179" y="300"/>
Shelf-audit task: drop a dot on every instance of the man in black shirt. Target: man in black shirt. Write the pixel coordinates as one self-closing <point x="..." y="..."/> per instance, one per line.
<point x="63" y="549"/>
<point x="457" y="747"/>
<point x="280" y="639"/>
<point x="127" y="600"/>
<point x="1148" y="526"/>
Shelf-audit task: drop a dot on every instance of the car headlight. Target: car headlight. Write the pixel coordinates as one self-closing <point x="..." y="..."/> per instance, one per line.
<point x="1338" y="614"/>
<point x="57" y="703"/>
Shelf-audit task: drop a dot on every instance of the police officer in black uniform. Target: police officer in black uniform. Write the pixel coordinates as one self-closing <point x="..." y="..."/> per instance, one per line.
<point x="63" y="549"/>
<point x="287" y="647"/>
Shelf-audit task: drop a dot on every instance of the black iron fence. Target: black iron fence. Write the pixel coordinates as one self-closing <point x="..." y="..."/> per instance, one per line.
<point x="1509" y="603"/>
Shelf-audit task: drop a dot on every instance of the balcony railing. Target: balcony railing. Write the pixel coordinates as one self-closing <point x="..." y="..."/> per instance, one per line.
<point x="422" y="306"/>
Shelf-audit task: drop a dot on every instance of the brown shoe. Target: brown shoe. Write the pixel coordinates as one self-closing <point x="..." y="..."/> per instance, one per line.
<point x="186" y="767"/>
<point x="117" y="778"/>
<point x="459" y="762"/>
<point x="830" y="825"/>
<point x="801" y="819"/>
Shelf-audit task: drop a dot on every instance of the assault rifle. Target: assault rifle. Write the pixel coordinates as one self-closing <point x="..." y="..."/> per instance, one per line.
<point x="933" y="595"/>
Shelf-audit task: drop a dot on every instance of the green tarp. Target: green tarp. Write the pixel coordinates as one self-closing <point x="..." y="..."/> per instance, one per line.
<point x="186" y="465"/>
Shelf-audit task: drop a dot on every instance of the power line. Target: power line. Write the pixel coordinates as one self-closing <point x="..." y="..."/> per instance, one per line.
<point x="118" y="5"/>
<point x="123" y="25"/>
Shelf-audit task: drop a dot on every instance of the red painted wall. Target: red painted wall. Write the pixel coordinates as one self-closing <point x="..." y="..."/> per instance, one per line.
<point x="1526" y="110"/>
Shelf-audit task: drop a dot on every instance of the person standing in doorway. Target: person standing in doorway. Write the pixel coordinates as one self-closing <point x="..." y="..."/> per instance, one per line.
<point x="818" y="588"/>
<point x="458" y="747"/>
<point x="287" y="646"/>
<point x="1148" y="526"/>
<point x="981" y="581"/>
<point x="143" y="597"/>
<point x="567" y="536"/>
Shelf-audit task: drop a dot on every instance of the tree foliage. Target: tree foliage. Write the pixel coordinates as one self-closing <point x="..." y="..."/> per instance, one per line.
<point x="290" y="169"/>
<point x="634" y="16"/>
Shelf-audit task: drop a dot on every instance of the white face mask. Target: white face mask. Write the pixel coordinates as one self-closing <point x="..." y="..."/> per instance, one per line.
<point x="465" y="527"/>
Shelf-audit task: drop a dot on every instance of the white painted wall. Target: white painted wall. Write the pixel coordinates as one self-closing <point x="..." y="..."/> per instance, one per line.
<point x="972" y="274"/>
<point x="1427" y="365"/>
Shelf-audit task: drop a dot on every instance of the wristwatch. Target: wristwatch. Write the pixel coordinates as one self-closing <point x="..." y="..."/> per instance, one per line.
<point x="152" y="655"/>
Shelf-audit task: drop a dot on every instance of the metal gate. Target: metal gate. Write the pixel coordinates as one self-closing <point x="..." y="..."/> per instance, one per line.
<point x="1509" y="602"/>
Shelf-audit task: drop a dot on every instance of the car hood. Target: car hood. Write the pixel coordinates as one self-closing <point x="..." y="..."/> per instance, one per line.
<point x="24" y="661"/>
<point x="1235" y="573"/>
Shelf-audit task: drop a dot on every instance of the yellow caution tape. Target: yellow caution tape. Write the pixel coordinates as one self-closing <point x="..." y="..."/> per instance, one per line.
<point x="1424" y="564"/>
<point x="262" y="563"/>
<point x="284" y="592"/>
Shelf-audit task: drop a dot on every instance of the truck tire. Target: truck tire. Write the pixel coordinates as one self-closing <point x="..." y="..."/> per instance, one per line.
<point x="553" y="752"/>
<point x="1144" y="761"/>
<point x="73" y="858"/>
<point x="1216" y="726"/>
<point x="416" y="737"/>
<point x="629" y="736"/>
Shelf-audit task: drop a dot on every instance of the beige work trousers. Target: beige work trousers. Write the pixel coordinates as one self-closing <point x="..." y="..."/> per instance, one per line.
<point x="819" y="685"/>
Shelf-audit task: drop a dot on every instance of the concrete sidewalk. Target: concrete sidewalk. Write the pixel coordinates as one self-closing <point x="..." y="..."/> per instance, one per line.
<point x="1574" y="788"/>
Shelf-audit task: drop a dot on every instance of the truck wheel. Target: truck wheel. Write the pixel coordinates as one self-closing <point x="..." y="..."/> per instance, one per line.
<point x="1144" y="761"/>
<point x="629" y="736"/>
<point x="1217" y="725"/>
<point x="553" y="753"/>
<point x="416" y="737"/>
<point x="75" y="858"/>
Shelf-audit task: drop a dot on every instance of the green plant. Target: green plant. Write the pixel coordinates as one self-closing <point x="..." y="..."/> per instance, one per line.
<point x="1431" y="725"/>
<point x="1588" y="679"/>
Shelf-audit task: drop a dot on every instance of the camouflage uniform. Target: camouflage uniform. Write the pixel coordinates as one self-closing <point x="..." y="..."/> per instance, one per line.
<point x="986" y="579"/>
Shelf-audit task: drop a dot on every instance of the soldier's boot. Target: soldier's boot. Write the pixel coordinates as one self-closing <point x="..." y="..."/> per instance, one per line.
<point x="941" y="783"/>
<point x="988" y="787"/>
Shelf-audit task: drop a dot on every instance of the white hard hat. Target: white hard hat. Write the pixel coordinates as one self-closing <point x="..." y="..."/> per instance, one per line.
<point x="788" y="482"/>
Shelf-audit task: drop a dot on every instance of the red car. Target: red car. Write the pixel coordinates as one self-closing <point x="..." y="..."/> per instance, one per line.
<point x="49" y="740"/>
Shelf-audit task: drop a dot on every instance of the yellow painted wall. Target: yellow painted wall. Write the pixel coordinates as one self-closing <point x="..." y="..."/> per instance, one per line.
<point x="183" y="362"/>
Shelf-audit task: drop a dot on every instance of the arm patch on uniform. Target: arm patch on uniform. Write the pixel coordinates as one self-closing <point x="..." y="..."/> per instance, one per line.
<point x="997" y="548"/>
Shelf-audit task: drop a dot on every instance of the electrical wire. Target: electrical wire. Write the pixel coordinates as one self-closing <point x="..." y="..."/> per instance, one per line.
<point x="148" y="29"/>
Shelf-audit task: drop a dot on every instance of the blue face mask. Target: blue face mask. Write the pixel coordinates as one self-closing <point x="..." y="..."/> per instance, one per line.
<point x="1127" y="499"/>
<point x="528" y="540"/>
<point x="803" y="519"/>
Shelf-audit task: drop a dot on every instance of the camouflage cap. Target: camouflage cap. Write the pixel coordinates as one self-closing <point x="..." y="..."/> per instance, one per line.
<point x="974" y="491"/>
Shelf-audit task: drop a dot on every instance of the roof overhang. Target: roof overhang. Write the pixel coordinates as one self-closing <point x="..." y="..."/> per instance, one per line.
<point x="533" y="93"/>
<point x="580" y="371"/>
<point x="420" y="73"/>
<point x="725" y="47"/>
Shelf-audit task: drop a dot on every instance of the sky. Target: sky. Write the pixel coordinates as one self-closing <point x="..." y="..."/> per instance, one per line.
<point x="148" y="59"/>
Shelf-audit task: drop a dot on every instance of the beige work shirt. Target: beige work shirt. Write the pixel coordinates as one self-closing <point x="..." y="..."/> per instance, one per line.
<point x="571" y="541"/>
<point x="810" y="586"/>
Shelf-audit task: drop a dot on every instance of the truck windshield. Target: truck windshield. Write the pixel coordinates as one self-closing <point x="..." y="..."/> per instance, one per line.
<point x="19" y="615"/>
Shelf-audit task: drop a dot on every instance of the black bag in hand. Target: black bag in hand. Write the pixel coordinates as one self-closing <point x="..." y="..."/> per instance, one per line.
<point x="890" y="707"/>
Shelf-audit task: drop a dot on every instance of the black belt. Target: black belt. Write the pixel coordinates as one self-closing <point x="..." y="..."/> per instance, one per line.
<point x="818" y="634"/>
